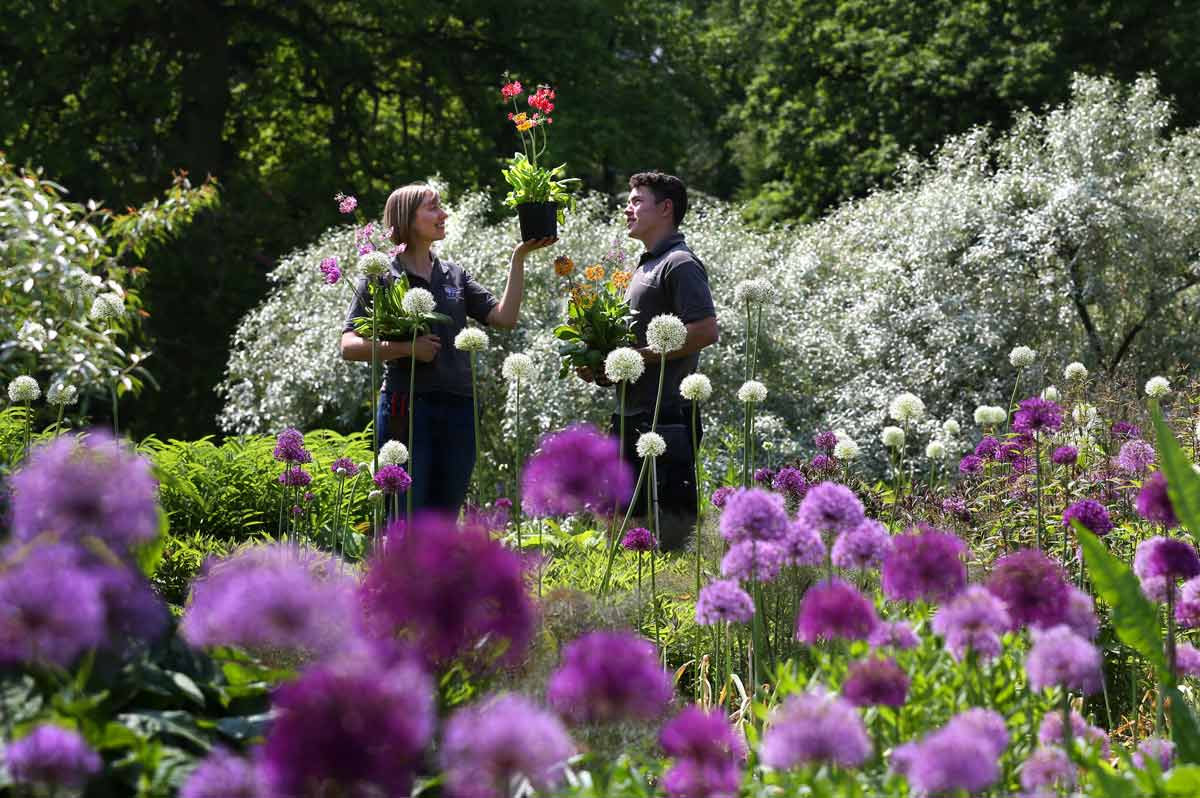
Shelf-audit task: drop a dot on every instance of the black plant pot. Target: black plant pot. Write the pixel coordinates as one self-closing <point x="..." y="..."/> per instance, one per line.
<point x="538" y="220"/>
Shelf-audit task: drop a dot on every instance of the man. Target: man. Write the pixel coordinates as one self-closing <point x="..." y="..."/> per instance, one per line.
<point x="669" y="278"/>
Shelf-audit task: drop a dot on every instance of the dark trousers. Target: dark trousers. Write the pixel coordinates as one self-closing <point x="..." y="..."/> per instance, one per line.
<point x="676" y="470"/>
<point x="442" y="452"/>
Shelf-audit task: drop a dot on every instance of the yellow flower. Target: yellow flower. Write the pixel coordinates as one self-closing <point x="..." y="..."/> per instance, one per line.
<point x="520" y="119"/>
<point x="583" y="295"/>
<point x="563" y="265"/>
<point x="524" y="126"/>
<point x="594" y="272"/>
<point x="621" y="279"/>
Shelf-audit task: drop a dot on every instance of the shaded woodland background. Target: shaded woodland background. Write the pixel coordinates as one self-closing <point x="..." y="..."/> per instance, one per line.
<point x="788" y="106"/>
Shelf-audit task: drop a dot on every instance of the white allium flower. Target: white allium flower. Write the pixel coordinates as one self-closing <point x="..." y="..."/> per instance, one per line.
<point x="1051" y="394"/>
<point x="1075" y="371"/>
<point x="665" y="333"/>
<point x="892" y="437"/>
<point x="1157" y="387"/>
<point x="471" y="339"/>
<point x="60" y="394"/>
<point x="106" y="307"/>
<point x="417" y="302"/>
<point x="754" y="291"/>
<point x="393" y="453"/>
<point x="999" y="415"/>
<point x="906" y="407"/>
<point x="651" y="444"/>
<point x="696" y="388"/>
<point x="846" y="448"/>
<point x="990" y="415"/>
<point x="32" y="336"/>
<point x="1022" y="357"/>
<point x="1085" y="415"/>
<point x="951" y="427"/>
<point x="752" y="391"/>
<point x="24" y="389"/>
<point x="517" y="366"/>
<point x="364" y="468"/>
<point x="624" y="365"/>
<point x="374" y="263"/>
<point x="935" y="450"/>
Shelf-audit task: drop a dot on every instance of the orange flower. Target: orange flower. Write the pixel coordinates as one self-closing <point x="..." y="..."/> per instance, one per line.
<point x="563" y="265"/>
<point x="621" y="279"/>
<point x="594" y="272"/>
<point x="583" y="295"/>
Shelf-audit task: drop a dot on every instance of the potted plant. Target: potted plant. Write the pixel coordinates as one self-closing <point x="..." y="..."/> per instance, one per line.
<point x="540" y="195"/>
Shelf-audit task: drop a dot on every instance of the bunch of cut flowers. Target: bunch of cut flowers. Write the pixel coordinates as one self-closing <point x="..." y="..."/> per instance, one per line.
<point x="598" y="316"/>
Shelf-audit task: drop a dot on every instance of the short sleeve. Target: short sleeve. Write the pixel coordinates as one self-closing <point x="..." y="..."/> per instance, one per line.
<point x="478" y="300"/>
<point x="688" y="291"/>
<point x="360" y="306"/>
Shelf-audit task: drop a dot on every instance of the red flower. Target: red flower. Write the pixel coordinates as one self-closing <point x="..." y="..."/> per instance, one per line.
<point x="543" y="99"/>
<point x="512" y="90"/>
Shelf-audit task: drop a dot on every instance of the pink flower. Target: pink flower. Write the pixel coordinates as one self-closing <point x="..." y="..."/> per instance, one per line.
<point x="510" y="91"/>
<point x="346" y="204"/>
<point x="330" y="270"/>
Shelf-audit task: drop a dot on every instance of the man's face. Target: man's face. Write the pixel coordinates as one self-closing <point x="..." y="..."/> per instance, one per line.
<point x="644" y="217"/>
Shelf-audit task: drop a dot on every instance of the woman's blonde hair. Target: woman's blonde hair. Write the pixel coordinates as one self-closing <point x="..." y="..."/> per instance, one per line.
<point x="402" y="206"/>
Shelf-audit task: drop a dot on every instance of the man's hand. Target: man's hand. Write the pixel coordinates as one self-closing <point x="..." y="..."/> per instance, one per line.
<point x="587" y="375"/>
<point x="427" y="347"/>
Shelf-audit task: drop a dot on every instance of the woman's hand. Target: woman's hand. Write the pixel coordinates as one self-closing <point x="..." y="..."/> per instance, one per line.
<point x="427" y="347"/>
<point x="533" y="244"/>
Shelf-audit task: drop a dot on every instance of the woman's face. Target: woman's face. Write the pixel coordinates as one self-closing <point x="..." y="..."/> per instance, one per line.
<point x="429" y="224"/>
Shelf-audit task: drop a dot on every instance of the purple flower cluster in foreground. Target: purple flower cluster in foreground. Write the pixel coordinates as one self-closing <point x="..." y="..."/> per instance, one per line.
<point x="1161" y="561"/>
<point x="1047" y="769"/>
<point x="834" y="609"/>
<point x="1064" y="455"/>
<point x="1061" y="658"/>
<point x="876" y="682"/>
<point x="1091" y="514"/>
<point x="924" y="566"/>
<point x="330" y="271"/>
<point x="826" y="441"/>
<point x="830" y="508"/>
<point x="1157" y="750"/>
<point x="723" y="600"/>
<point x="894" y="634"/>
<point x="1154" y="502"/>
<point x="815" y="728"/>
<point x="753" y="561"/>
<point x="223" y="774"/>
<point x="1033" y="587"/>
<point x="962" y="755"/>
<point x="862" y="547"/>
<point x="1135" y="457"/>
<point x="1050" y="732"/>
<point x="392" y="480"/>
<point x="754" y="515"/>
<point x="803" y="545"/>
<point x="609" y="676"/>
<point x="708" y="753"/>
<point x="575" y="470"/>
<point x="720" y="496"/>
<point x="51" y="756"/>
<point x="973" y="621"/>
<point x="1036" y="415"/>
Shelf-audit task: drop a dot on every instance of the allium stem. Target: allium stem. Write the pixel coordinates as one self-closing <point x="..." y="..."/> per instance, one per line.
<point x="1068" y="733"/>
<point x="517" y="466"/>
<point x="475" y="418"/>
<point x="746" y="420"/>
<point x="375" y="384"/>
<point x="412" y="401"/>
<point x="1037" y="474"/>
<point x="29" y="426"/>
<point x="757" y="336"/>
<point x="58" y="421"/>
<point x="1011" y="400"/>
<point x="699" y="497"/>
<point x="653" y="574"/>
<point x="616" y="541"/>
<point x="116" y="426"/>
<point x="749" y="343"/>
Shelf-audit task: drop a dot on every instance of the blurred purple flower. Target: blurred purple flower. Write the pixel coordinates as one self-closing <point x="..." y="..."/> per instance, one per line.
<point x="962" y="755"/>
<point x="927" y="566"/>
<point x="987" y="448"/>
<point x="720" y="496"/>
<point x="826" y="441"/>
<point x="1187" y="660"/>
<point x="875" y="682"/>
<point x="1061" y="658"/>
<point x="764" y="476"/>
<point x="708" y="755"/>
<point x="956" y="506"/>
<point x="348" y="467"/>
<point x="822" y="462"/>
<point x="1051" y="728"/>
<point x="392" y="479"/>
<point x="289" y="447"/>
<point x="862" y="547"/>
<point x="974" y="620"/>
<point x="1125" y="430"/>
<point x="754" y="561"/>
<point x="753" y="514"/>
<point x="1154" y="749"/>
<point x="894" y="634"/>
<point x="1048" y="768"/>
<point x="1036" y="415"/>
<point x="638" y="539"/>
<point x="51" y="607"/>
<point x="330" y="271"/>
<point x="575" y="470"/>
<point x="1160" y="561"/>
<point x="1154" y="502"/>
<point x="830" y="508"/>
<point x="1081" y="614"/>
<point x="1187" y="605"/>
<point x="1064" y="455"/>
<point x="1033" y="588"/>
<point x="815" y="728"/>
<point x="609" y="676"/>
<point x="723" y="600"/>
<point x="1092" y="514"/>
<point x="51" y="756"/>
<point x="1135" y="457"/>
<point x="790" y="482"/>
<point x="803" y="545"/>
<point x="970" y="464"/>
<point x="833" y="609"/>
<point x="223" y="774"/>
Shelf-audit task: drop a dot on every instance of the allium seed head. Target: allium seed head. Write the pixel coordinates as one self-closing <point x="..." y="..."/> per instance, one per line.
<point x="696" y="388"/>
<point x="624" y="365"/>
<point x="665" y="333"/>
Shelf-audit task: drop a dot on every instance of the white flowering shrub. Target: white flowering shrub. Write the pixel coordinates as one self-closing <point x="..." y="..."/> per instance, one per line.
<point x="1074" y="234"/>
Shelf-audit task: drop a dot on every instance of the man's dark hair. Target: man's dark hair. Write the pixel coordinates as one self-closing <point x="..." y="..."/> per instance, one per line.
<point x="664" y="187"/>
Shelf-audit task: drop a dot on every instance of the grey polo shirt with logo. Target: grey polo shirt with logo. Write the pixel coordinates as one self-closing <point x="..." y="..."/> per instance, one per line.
<point x="458" y="296"/>
<point x="668" y="279"/>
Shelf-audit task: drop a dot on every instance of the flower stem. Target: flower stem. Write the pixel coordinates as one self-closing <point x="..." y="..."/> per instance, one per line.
<point x="375" y="384"/>
<point x="616" y="541"/>
<point x="699" y="499"/>
<point x="517" y="466"/>
<point x="412" y="401"/>
<point x="475" y="418"/>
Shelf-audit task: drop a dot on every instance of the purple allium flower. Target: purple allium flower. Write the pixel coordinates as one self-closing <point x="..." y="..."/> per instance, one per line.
<point x="449" y="589"/>
<point x="1081" y="614"/>
<point x="970" y="464"/>
<point x="1154" y="503"/>
<point x="753" y="514"/>
<point x="987" y="448"/>
<point x="76" y="489"/>
<point x="862" y="548"/>
<point x="348" y="466"/>
<point x="51" y="607"/>
<point x="903" y="757"/>
<point x="132" y="610"/>
<point x="822" y="462"/>
<point x="638" y="539"/>
<point x="814" y="728"/>
<point x="764" y="476"/>
<point x="1154" y="749"/>
<point x="330" y="271"/>
<point x="962" y="755"/>
<point x="486" y="745"/>
<point x="830" y="507"/>
<point x="723" y="600"/>
<point x="1051" y="731"/>
<point x="295" y="477"/>
<point x="1064" y="455"/>
<point x="1092" y="514"/>
<point x="876" y="682"/>
<point x="752" y="560"/>
<point x="289" y="447"/>
<point x="269" y="596"/>
<point x="1047" y="767"/>
<point x="1126" y="431"/>
<point x="986" y="722"/>
<point x="826" y="441"/>
<point x="708" y="753"/>
<point x="1135" y="457"/>
<point x="1161" y="560"/>
<point x="927" y="565"/>
<point x="51" y="755"/>
<point x="720" y="496"/>
<point x="956" y="506"/>
<point x="575" y="470"/>
<point x="974" y="620"/>
<point x="357" y="724"/>
<point x="893" y="634"/>
<point x="1036" y="415"/>
<point x="803" y="545"/>
<point x="1187" y="660"/>
<point x="1012" y="452"/>
<point x="790" y="482"/>
<point x="1061" y="658"/>
<point x="1187" y="605"/>
<point x="609" y="676"/>
<point x="392" y="479"/>
<point x="223" y="774"/>
<point x="835" y="609"/>
<point x="1032" y="586"/>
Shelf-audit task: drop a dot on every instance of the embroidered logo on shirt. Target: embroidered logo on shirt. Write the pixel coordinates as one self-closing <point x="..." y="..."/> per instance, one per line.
<point x="453" y="293"/>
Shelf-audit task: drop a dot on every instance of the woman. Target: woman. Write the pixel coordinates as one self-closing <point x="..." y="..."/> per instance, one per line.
<point x="442" y="454"/>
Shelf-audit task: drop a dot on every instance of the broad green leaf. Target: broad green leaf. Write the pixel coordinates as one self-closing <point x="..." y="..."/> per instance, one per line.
<point x="1183" y="484"/>
<point x="1185" y="732"/>
<point x="1134" y="617"/>
<point x="1185" y="780"/>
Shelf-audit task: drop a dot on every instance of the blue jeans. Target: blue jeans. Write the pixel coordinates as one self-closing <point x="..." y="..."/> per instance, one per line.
<point x="442" y="452"/>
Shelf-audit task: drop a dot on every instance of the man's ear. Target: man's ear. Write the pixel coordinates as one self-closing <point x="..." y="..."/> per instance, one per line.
<point x="668" y="209"/>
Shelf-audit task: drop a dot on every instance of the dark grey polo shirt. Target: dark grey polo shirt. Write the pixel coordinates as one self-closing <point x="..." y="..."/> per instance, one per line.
<point x="668" y="279"/>
<point x="458" y="296"/>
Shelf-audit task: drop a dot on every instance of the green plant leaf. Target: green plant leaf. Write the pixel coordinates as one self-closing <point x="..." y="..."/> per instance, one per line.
<point x="1183" y="483"/>
<point x="1134" y="617"/>
<point x="1185" y="732"/>
<point x="1185" y="780"/>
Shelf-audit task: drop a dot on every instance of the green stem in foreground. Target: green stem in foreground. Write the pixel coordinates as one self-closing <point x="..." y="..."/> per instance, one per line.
<point x="412" y="401"/>
<point x="116" y="426"/>
<point x="1011" y="399"/>
<point x="29" y="426"/>
<point x="517" y="467"/>
<point x="615" y="543"/>
<point x="475" y="419"/>
<point x="746" y="446"/>
<point x="699" y="496"/>
<point x="654" y="547"/>
<point x="375" y="387"/>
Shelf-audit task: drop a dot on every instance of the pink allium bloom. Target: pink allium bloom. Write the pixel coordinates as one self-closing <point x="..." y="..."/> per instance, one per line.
<point x="1154" y="502"/>
<point x="803" y="545"/>
<point x="974" y="620"/>
<point x="1157" y="750"/>
<point x="925" y="566"/>
<point x="830" y="507"/>
<point x="876" y="682"/>
<point x="753" y="561"/>
<point x="709" y="755"/>
<point x="638" y="539"/>
<point x="1047" y="767"/>
<point x="1061" y="658"/>
<point x="961" y="756"/>
<point x="833" y="609"/>
<point x="610" y="676"/>
<point x="862" y="547"/>
<point x="1161" y="561"/>
<point x="814" y="728"/>
<point x="894" y="634"/>
<point x="1032" y="586"/>
<point x="754" y="515"/>
<point x="51" y="756"/>
<point x="392" y="479"/>
<point x="1135" y="457"/>
<point x="1187" y="660"/>
<point x="723" y="600"/>
<point x="1051" y="731"/>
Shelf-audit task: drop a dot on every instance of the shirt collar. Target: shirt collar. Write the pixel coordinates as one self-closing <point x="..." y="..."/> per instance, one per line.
<point x="664" y="246"/>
